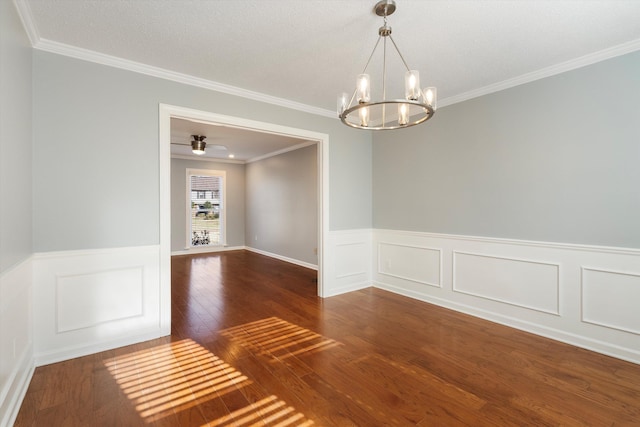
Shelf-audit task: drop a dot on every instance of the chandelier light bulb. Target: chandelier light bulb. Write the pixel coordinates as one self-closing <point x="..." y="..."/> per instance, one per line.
<point x="364" y="116"/>
<point x="363" y="88"/>
<point x="412" y="85"/>
<point x="403" y="114"/>
<point x="343" y="102"/>
<point x="430" y="97"/>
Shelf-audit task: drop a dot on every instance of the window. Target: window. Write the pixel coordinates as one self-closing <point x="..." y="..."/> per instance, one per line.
<point x="205" y="208"/>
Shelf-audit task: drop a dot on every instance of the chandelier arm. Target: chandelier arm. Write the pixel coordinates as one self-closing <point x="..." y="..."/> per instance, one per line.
<point x="355" y="91"/>
<point x="371" y="56"/>
<point x="398" y="50"/>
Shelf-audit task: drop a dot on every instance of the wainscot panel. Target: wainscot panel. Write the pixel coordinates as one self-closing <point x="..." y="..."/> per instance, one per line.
<point x="89" y="301"/>
<point x="582" y="295"/>
<point x="621" y="291"/>
<point x="525" y="283"/>
<point x="347" y="262"/>
<point x="16" y="339"/>
<point x="415" y="263"/>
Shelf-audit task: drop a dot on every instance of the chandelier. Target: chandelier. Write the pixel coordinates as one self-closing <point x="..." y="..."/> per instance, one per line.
<point x="359" y="111"/>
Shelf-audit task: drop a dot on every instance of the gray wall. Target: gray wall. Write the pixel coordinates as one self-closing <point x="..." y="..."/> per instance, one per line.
<point x="282" y="204"/>
<point x="15" y="139"/>
<point x="95" y="154"/>
<point x="235" y="199"/>
<point x="554" y="160"/>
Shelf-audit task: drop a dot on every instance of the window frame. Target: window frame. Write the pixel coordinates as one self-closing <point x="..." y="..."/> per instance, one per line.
<point x="223" y="206"/>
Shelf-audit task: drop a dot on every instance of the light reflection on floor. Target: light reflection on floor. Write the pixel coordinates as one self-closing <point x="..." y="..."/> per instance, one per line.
<point x="274" y="337"/>
<point x="173" y="377"/>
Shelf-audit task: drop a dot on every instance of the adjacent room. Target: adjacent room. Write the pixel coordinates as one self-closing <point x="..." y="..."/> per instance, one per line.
<point x="349" y="213"/>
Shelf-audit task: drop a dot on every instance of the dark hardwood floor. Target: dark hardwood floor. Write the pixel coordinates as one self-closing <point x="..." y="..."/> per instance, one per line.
<point x="252" y="344"/>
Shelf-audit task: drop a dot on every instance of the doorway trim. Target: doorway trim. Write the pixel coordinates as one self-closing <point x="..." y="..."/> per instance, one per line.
<point x="166" y="112"/>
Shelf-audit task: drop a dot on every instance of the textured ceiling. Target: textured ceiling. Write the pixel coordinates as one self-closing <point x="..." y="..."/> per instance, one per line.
<point x="308" y="51"/>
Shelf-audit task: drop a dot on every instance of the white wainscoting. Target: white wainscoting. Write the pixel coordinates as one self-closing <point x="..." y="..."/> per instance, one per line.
<point x="587" y="296"/>
<point x="524" y="283"/>
<point x="347" y="262"/>
<point x="16" y="339"/>
<point x="621" y="312"/>
<point x="414" y="263"/>
<point x="93" y="300"/>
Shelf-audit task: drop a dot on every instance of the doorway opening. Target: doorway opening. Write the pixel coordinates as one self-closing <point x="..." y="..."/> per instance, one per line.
<point x="166" y="113"/>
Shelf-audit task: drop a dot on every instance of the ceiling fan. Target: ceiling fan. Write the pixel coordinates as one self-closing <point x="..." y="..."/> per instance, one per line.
<point x="198" y="145"/>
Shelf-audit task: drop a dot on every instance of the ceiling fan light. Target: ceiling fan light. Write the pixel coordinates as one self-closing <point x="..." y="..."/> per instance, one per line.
<point x="197" y="147"/>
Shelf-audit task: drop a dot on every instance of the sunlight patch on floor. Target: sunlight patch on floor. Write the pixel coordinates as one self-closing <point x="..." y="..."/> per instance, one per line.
<point x="174" y="377"/>
<point x="272" y="411"/>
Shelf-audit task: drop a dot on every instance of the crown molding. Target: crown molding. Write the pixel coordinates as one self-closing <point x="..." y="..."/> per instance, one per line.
<point x="582" y="61"/>
<point x="137" y="67"/>
<point x="281" y="151"/>
<point x="26" y="16"/>
<point x="39" y="43"/>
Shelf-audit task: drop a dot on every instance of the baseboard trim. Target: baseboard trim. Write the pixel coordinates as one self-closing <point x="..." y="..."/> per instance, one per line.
<point x="48" y="358"/>
<point x="282" y="258"/>
<point x="17" y="389"/>
<point x="551" y="333"/>
<point x="352" y="287"/>
<point x="206" y="250"/>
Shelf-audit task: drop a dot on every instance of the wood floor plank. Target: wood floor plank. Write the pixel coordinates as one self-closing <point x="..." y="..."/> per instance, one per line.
<point x="286" y="387"/>
<point x="343" y="409"/>
<point x="252" y="344"/>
